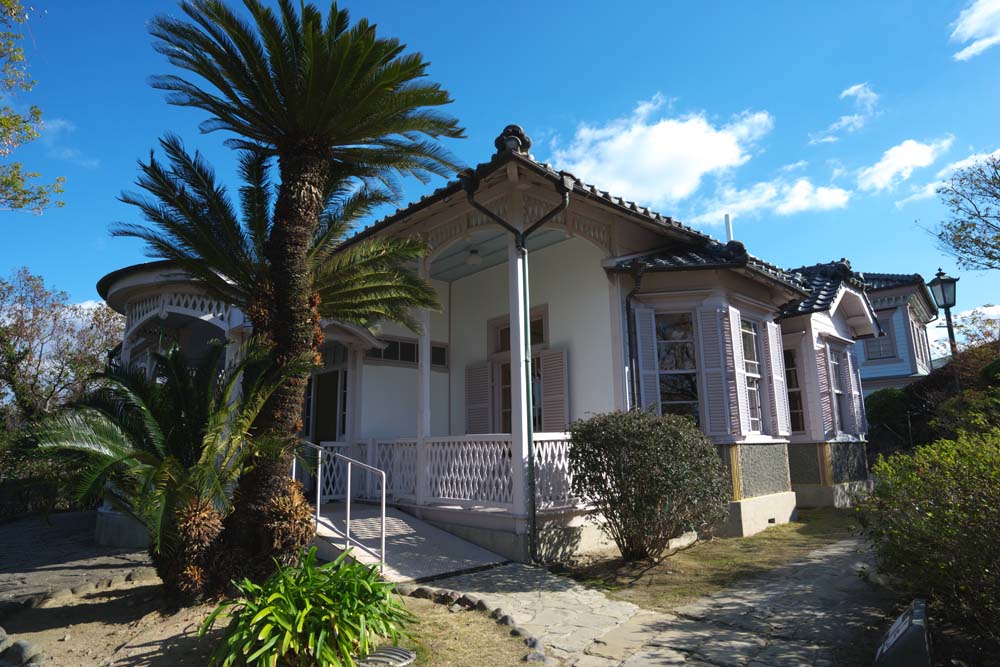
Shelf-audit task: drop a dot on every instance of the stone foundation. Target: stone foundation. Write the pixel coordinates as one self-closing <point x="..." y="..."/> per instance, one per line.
<point x="751" y="515"/>
<point x="118" y="529"/>
<point x="829" y="474"/>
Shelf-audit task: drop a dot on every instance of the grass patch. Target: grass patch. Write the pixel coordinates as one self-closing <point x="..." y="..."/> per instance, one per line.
<point x="461" y="639"/>
<point x="712" y="565"/>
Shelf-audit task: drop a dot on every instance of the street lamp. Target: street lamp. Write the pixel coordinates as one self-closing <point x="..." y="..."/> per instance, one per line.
<point x="943" y="289"/>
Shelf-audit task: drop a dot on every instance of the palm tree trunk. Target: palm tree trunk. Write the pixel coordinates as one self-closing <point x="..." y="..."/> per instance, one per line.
<point x="259" y="528"/>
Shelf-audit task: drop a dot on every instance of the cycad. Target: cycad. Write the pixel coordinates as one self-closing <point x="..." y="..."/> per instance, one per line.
<point x="168" y="449"/>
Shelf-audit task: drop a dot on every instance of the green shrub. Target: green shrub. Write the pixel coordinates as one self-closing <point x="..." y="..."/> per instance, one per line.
<point x="652" y="478"/>
<point x="933" y="523"/>
<point x="309" y="615"/>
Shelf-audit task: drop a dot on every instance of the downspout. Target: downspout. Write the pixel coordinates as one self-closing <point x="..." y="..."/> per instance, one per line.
<point x="633" y="356"/>
<point x="470" y="184"/>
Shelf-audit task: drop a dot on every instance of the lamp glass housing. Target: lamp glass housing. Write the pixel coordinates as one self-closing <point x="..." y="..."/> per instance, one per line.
<point x="943" y="289"/>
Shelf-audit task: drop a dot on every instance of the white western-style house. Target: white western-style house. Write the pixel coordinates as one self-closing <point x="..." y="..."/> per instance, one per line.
<point x="625" y="308"/>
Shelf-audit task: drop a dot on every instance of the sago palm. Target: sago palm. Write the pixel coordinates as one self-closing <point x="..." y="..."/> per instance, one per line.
<point x="168" y="449"/>
<point x="334" y="103"/>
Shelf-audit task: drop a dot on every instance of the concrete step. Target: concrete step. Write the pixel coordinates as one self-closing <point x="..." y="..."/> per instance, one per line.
<point x="414" y="549"/>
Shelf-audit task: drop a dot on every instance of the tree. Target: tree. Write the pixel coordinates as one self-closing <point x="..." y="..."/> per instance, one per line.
<point x="17" y="187"/>
<point x="49" y="347"/>
<point x="972" y="233"/>
<point x="339" y="108"/>
<point x="168" y="448"/>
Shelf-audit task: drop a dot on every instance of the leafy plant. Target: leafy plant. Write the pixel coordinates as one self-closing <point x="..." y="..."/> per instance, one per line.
<point x="309" y="615"/>
<point x="167" y="448"/>
<point x="652" y="478"/>
<point x="933" y="524"/>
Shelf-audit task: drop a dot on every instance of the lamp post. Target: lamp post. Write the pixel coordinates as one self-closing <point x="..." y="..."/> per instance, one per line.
<point x="943" y="290"/>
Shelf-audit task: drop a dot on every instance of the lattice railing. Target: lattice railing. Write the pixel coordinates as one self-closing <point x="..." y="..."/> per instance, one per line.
<point x="335" y="471"/>
<point x="186" y="302"/>
<point x="553" y="477"/>
<point x="469" y="470"/>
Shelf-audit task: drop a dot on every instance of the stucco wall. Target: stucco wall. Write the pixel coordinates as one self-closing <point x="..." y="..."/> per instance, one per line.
<point x="567" y="278"/>
<point x="389" y="396"/>
<point x="848" y="461"/>
<point x="803" y="463"/>
<point x="763" y="469"/>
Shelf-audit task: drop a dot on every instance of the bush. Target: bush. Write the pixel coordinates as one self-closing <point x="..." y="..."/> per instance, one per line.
<point x="653" y="478"/>
<point x="932" y="521"/>
<point x="309" y="616"/>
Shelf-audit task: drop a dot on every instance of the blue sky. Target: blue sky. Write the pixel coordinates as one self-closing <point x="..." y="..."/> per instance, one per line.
<point x="821" y="127"/>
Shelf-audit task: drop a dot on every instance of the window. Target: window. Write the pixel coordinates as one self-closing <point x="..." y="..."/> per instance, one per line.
<point x="751" y="362"/>
<point x="920" y="342"/>
<point x="678" y="371"/>
<point x="503" y="335"/>
<point x="505" y="396"/>
<point x="407" y="352"/>
<point x="883" y="347"/>
<point x="795" y="406"/>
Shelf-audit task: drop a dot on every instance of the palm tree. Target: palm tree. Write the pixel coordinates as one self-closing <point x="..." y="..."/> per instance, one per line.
<point x="194" y="222"/>
<point x="167" y="449"/>
<point x="334" y="103"/>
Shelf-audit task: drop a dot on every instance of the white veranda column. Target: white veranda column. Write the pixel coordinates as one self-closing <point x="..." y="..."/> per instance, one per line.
<point x="518" y="380"/>
<point x="423" y="392"/>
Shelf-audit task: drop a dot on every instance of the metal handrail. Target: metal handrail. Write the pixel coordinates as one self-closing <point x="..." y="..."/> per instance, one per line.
<point x="347" y="498"/>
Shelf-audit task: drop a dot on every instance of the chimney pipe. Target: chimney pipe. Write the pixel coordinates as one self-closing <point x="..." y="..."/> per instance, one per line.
<point x="729" y="228"/>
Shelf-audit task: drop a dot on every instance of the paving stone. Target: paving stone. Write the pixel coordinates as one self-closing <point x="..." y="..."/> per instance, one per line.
<point x="595" y="661"/>
<point x="656" y="656"/>
<point x="788" y="654"/>
<point x="624" y="640"/>
<point x="730" y="649"/>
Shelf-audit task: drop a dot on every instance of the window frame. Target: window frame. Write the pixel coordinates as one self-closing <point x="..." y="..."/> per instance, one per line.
<point x="835" y="360"/>
<point x="889" y="328"/>
<point x="793" y="369"/>
<point x="400" y="363"/>
<point x="695" y="371"/>
<point x="754" y="380"/>
<point x="498" y="358"/>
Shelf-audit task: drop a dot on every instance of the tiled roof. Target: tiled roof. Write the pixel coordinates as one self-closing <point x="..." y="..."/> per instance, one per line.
<point x="823" y="283"/>
<point x="709" y="255"/>
<point x="506" y="153"/>
<point x="877" y="281"/>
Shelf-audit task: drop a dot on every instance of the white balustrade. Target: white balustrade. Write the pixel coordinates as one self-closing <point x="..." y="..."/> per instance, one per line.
<point x="464" y="471"/>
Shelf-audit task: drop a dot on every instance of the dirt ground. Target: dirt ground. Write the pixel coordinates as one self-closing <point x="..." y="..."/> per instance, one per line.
<point x="125" y="626"/>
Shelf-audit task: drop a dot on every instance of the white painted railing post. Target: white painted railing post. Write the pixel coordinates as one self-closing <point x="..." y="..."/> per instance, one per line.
<point x="423" y="484"/>
<point x="371" y="458"/>
<point x="347" y="496"/>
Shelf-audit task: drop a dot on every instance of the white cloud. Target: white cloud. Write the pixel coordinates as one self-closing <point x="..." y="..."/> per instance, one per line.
<point x="897" y="163"/>
<point x="778" y="196"/>
<point x="657" y="159"/>
<point x="795" y="166"/>
<point x="54" y="133"/>
<point x="978" y="23"/>
<point x="929" y="190"/>
<point x="865" y="108"/>
<point x="937" y="333"/>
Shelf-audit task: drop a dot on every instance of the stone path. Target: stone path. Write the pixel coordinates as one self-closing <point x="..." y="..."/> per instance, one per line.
<point x="42" y="556"/>
<point x="814" y="612"/>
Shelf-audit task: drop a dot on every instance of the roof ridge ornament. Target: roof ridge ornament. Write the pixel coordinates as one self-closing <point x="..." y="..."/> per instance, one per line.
<point x="513" y="139"/>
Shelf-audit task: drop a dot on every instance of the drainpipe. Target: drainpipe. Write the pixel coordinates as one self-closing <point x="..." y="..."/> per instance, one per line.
<point x="470" y="184"/>
<point x="633" y="356"/>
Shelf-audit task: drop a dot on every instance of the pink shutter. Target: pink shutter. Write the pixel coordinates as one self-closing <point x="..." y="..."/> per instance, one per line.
<point x="779" y="391"/>
<point x="478" y="406"/>
<point x="555" y="390"/>
<point x="714" y="395"/>
<point x="649" y="369"/>
<point x="739" y="390"/>
<point x="825" y="390"/>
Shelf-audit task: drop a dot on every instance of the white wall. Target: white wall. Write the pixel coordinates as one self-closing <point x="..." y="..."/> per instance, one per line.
<point x="567" y="278"/>
<point x="389" y="402"/>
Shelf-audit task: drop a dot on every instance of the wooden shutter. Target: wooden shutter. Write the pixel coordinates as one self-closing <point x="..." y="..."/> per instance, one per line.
<point x="859" y="395"/>
<point x="649" y="375"/>
<point x="850" y="395"/>
<point x="555" y="390"/>
<point x="825" y="390"/>
<point x="741" y="403"/>
<point x="714" y="394"/>
<point x="779" y="391"/>
<point x="478" y="406"/>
